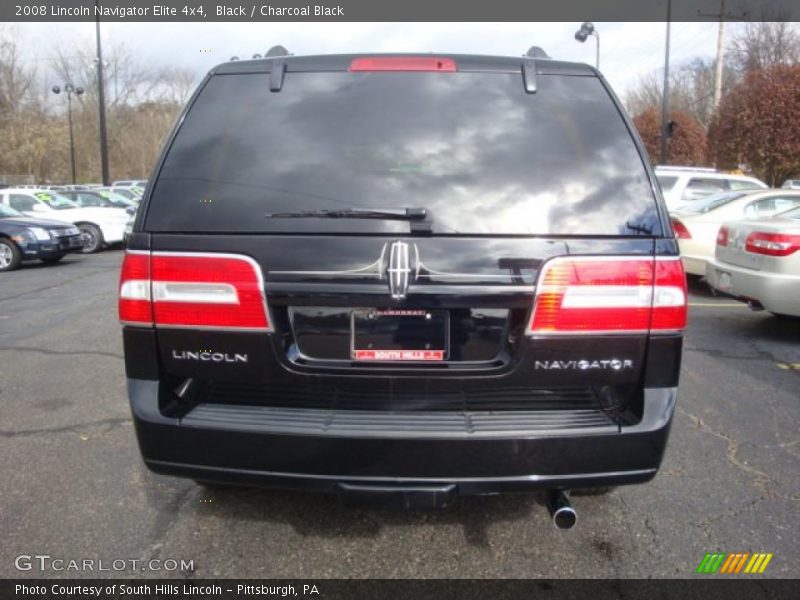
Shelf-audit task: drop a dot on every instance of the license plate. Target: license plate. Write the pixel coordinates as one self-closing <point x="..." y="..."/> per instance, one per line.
<point x="399" y="335"/>
<point x="724" y="281"/>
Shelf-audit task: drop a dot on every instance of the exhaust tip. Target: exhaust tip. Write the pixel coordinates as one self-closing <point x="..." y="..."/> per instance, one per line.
<point x="561" y="511"/>
<point x="565" y="518"/>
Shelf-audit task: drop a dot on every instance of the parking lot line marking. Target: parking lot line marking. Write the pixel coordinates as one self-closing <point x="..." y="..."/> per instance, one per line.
<point x="729" y="304"/>
<point x="789" y="366"/>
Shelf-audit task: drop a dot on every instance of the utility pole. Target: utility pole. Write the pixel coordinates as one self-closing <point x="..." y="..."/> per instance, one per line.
<point x="720" y="55"/>
<point x="101" y="100"/>
<point x="720" y="66"/>
<point x="663" y="156"/>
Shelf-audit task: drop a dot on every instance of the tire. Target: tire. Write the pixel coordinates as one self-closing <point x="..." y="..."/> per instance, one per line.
<point x="94" y="238"/>
<point x="10" y="256"/>
<point x="52" y="259"/>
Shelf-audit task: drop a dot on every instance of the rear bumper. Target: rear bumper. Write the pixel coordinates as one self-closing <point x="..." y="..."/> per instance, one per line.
<point x="302" y="450"/>
<point x="694" y="264"/>
<point x="777" y="293"/>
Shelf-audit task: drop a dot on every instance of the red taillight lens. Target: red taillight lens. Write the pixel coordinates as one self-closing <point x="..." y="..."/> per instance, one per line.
<point x="607" y="295"/>
<point x="135" y="307"/>
<point x="681" y="232"/>
<point x="669" y="296"/>
<point x="211" y="291"/>
<point x="772" y="244"/>
<point x="722" y="236"/>
<point x="404" y="63"/>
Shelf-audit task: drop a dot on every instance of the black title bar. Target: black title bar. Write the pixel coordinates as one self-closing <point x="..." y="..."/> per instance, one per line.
<point x="405" y="10"/>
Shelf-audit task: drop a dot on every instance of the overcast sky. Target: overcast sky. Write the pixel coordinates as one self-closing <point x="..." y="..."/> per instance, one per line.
<point x="627" y="50"/>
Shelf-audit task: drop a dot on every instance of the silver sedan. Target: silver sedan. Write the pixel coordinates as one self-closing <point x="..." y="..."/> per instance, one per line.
<point x="758" y="262"/>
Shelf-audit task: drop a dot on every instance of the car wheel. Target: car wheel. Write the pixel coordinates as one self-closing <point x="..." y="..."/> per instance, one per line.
<point x="10" y="256"/>
<point x="52" y="259"/>
<point x="93" y="238"/>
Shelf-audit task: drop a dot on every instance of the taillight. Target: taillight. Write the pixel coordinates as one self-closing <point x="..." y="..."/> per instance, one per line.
<point x="722" y="236"/>
<point x="681" y="232"/>
<point x="772" y="244"/>
<point x="403" y="63"/>
<point x="203" y="291"/>
<point x="135" y="307"/>
<point x="609" y="295"/>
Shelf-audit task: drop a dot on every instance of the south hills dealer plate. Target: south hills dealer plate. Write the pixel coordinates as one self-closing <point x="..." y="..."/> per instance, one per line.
<point x="395" y="335"/>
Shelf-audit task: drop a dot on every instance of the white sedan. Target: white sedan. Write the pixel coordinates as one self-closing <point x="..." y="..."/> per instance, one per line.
<point x="759" y="262"/>
<point x="99" y="225"/>
<point x="696" y="227"/>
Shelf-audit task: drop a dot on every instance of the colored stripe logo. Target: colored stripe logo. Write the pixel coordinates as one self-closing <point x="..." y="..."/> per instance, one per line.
<point x="734" y="563"/>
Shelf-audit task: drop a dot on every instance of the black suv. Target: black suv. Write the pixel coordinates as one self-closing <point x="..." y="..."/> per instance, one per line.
<point x="404" y="277"/>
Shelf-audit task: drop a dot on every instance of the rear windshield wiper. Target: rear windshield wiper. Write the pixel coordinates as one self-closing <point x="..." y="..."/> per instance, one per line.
<point x="393" y="214"/>
<point x="418" y="217"/>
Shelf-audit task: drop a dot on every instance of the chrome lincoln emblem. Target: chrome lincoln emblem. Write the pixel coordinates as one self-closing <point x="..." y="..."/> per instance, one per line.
<point x="398" y="270"/>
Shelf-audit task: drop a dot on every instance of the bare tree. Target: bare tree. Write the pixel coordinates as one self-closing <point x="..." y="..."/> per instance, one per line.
<point x="691" y="89"/>
<point x="765" y="44"/>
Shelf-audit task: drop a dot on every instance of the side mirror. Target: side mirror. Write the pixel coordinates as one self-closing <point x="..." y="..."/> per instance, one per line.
<point x="38" y="208"/>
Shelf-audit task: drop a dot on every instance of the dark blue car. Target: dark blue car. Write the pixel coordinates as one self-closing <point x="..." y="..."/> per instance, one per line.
<point x="26" y="238"/>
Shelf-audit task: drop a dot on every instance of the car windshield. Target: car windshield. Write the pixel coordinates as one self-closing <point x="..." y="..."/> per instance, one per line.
<point x="116" y="199"/>
<point x="89" y="199"/>
<point x="127" y="194"/>
<point x="7" y="212"/>
<point x="708" y="203"/>
<point x="56" y="201"/>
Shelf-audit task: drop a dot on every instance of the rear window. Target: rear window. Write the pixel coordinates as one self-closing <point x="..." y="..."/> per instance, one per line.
<point x="476" y="151"/>
<point x="791" y="214"/>
<point x="667" y="182"/>
<point x="743" y="184"/>
<point x="709" y="203"/>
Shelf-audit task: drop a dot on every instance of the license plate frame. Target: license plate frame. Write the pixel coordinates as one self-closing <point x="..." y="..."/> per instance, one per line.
<point x="427" y="337"/>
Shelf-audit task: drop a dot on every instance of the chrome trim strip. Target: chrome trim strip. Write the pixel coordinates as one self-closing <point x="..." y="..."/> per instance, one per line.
<point x="508" y="479"/>
<point x="141" y="324"/>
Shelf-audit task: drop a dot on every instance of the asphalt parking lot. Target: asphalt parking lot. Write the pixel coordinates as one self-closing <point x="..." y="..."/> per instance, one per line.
<point x="72" y="484"/>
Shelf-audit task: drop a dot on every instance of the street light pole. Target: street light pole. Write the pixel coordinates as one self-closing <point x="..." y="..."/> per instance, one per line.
<point x="663" y="155"/>
<point x="583" y="34"/>
<point x="70" y="89"/>
<point x="71" y="135"/>
<point x="101" y="102"/>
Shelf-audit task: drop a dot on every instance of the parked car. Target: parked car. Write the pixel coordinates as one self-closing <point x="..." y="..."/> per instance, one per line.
<point x="99" y="225"/>
<point x="758" y="261"/>
<point x="24" y="238"/>
<point x="101" y="198"/>
<point x="696" y="228"/>
<point x="680" y="185"/>
<point x="140" y="183"/>
<point x="791" y="184"/>
<point x="454" y="279"/>
<point x="131" y="193"/>
<point x="128" y="229"/>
